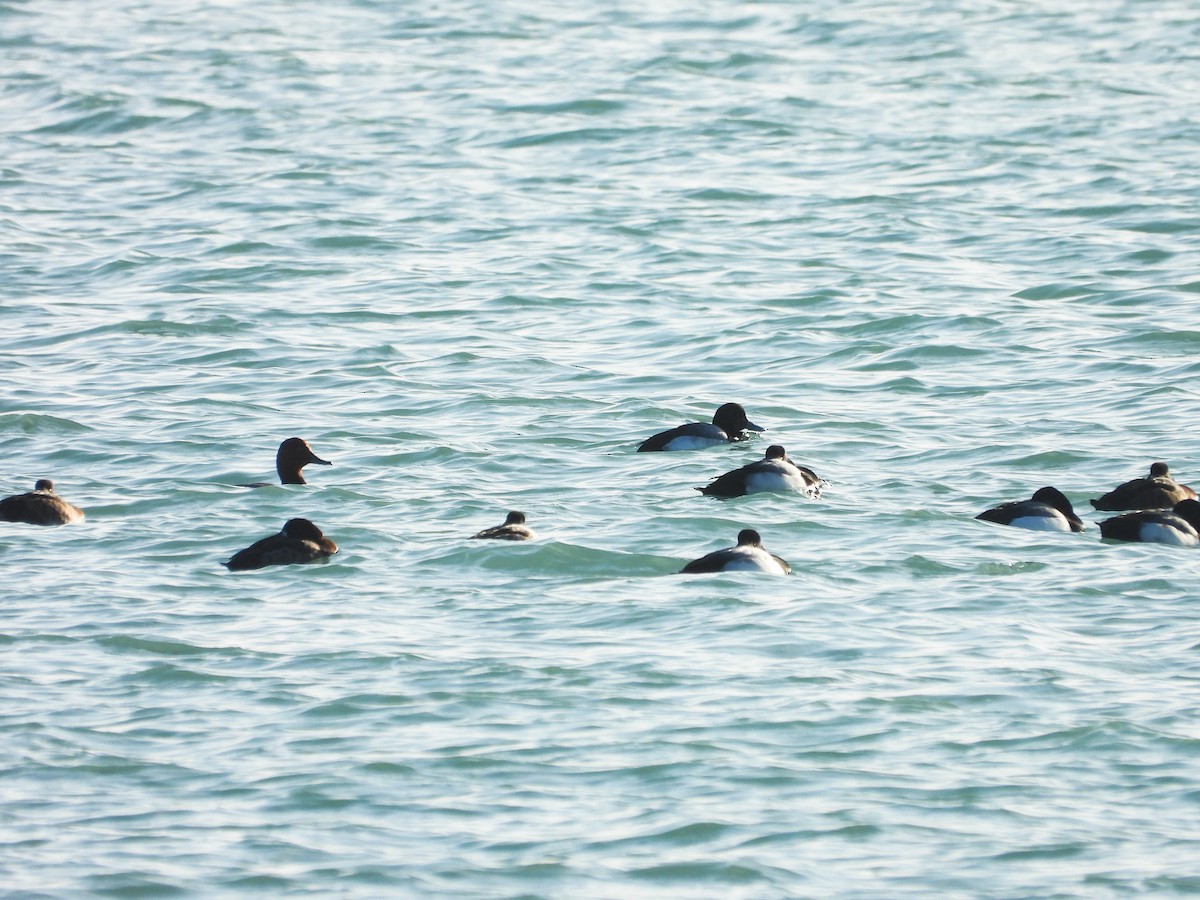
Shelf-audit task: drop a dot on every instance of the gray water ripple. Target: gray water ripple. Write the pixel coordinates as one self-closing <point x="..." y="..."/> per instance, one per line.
<point x="34" y="423"/>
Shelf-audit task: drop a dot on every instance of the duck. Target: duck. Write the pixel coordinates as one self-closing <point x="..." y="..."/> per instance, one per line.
<point x="1047" y="510"/>
<point x="41" y="506"/>
<point x="513" y="529"/>
<point x="299" y="541"/>
<point x="748" y="556"/>
<point x="1158" y="490"/>
<point x="1179" y="526"/>
<point x="774" y="472"/>
<point x="293" y="455"/>
<point x="729" y="424"/>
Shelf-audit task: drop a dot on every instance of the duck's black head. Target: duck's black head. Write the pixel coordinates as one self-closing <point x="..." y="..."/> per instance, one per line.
<point x="293" y="455"/>
<point x="1189" y="510"/>
<point x="748" y="537"/>
<point x="731" y="418"/>
<point x="302" y="530"/>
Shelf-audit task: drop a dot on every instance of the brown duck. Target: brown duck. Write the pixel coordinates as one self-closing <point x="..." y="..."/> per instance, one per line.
<point x="513" y="529"/>
<point x="299" y="541"/>
<point x="1158" y="490"/>
<point x="41" y="506"/>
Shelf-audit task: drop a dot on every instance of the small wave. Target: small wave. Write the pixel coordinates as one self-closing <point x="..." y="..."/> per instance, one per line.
<point x="561" y="559"/>
<point x="723" y="195"/>
<point x="700" y="872"/>
<point x="571" y="136"/>
<point x="34" y="423"/>
<point x="591" y="106"/>
<point x="166" y="328"/>
<point x="1061" y="290"/>
<point x="159" y="647"/>
<point x="107" y="122"/>
<point x="166" y="673"/>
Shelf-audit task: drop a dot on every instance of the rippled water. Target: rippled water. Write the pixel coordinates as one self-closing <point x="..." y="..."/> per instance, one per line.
<point x="945" y="252"/>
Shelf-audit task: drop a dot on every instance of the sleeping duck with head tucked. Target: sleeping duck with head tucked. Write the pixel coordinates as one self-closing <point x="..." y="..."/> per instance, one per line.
<point x="775" y="472"/>
<point x="1047" y="510"/>
<point x="41" y="506"/>
<point x="299" y="541"/>
<point x="513" y="529"/>
<point x="748" y="556"/>
<point x="1158" y="490"/>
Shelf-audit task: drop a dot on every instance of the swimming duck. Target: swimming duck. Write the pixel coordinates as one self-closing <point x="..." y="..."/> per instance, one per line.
<point x="1179" y="526"/>
<point x="293" y="455"/>
<point x="513" y="529"/>
<point x="748" y="556"/>
<point x="729" y="423"/>
<point x="1047" y="510"/>
<point x="1158" y="490"/>
<point x="299" y="541"/>
<point x="39" y="507"/>
<point x="774" y="472"/>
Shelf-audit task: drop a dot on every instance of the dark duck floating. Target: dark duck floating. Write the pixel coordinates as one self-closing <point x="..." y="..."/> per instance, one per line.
<point x="513" y="529"/>
<point x="293" y="455"/>
<point x="299" y="541"/>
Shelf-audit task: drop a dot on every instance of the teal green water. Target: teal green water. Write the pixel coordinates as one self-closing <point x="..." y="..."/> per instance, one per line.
<point x="475" y="253"/>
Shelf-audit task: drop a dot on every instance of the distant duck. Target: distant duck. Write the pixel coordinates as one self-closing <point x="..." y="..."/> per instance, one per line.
<point x="513" y="529"/>
<point x="1158" y="490"/>
<point x="293" y="455"/>
<point x="300" y="541"/>
<point x="1047" y="510"/>
<point x="729" y="423"/>
<point x="774" y="472"/>
<point x="748" y="556"/>
<point x="1179" y="526"/>
<point x="40" y="507"/>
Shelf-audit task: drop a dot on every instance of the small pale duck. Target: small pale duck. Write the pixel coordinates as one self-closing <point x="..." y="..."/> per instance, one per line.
<point x="1158" y="490"/>
<point x="729" y="423"/>
<point x="299" y="541"/>
<point x="774" y="472"/>
<point x="513" y="529"/>
<point x="1179" y="526"/>
<point x="748" y="556"/>
<point x="1047" y="510"/>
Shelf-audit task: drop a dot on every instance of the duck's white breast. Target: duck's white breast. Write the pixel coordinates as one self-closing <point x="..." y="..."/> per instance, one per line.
<point x="1161" y="533"/>
<point x="1052" y="522"/>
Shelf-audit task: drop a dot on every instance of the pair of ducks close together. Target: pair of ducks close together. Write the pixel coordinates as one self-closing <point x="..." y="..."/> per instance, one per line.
<point x="749" y="555"/>
<point x="1165" y="511"/>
